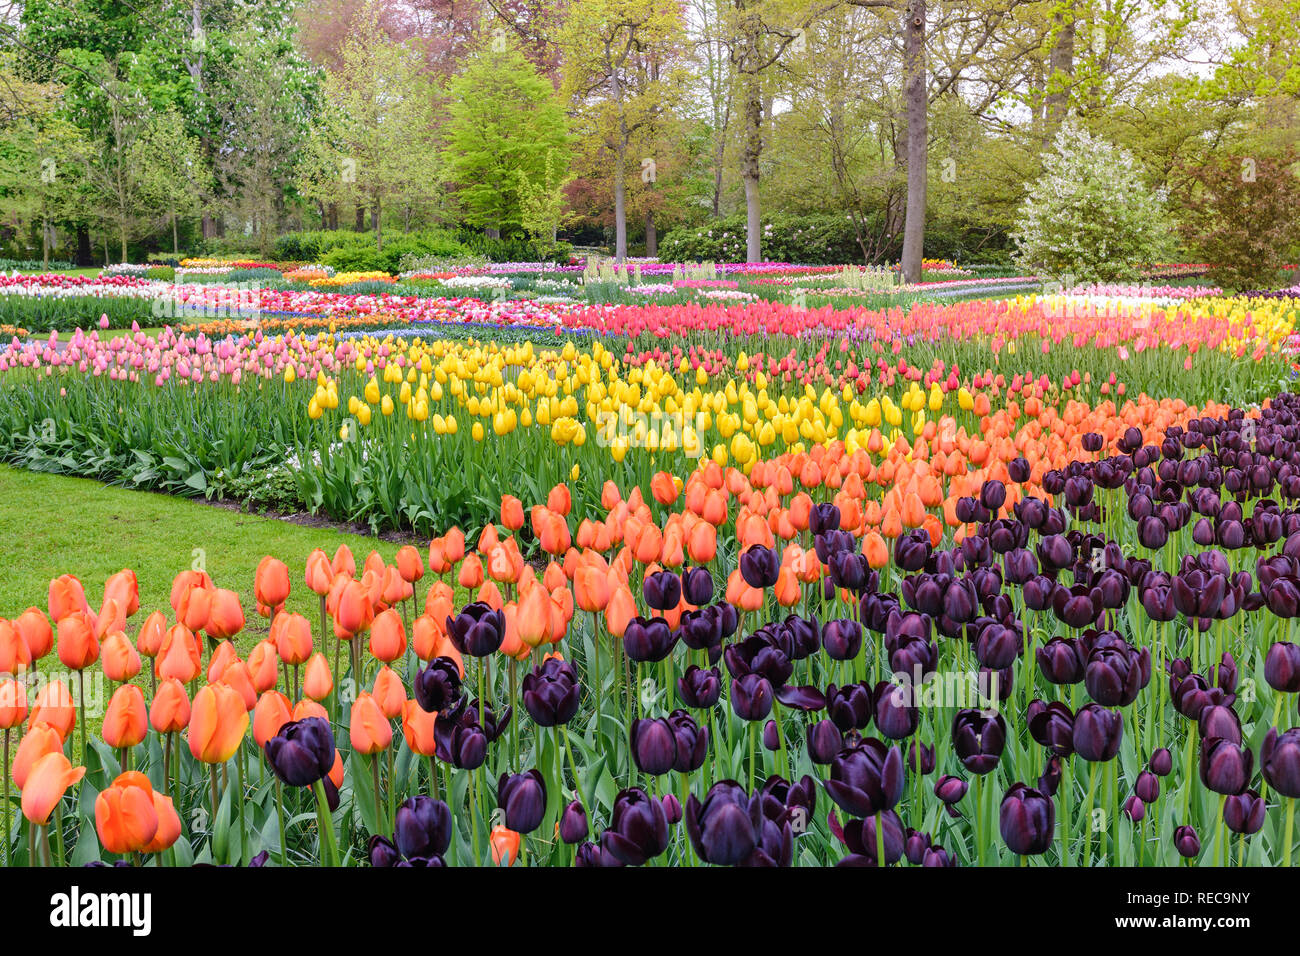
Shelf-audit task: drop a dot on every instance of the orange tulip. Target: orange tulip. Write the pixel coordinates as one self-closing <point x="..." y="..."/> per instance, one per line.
<point x="67" y="596"/>
<point x="355" y="612"/>
<point x="181" y="655"/>
<point x="240" y="678"/>
<point x="620" y="610"/>
<point x="505" y="846"/>
<point x="40" y="740"/>
<point x="119" y="658"/>
<point x="195" y="607"/>
<point x="184" y="582"/>
<point x="170" y="711"/>
<point x="512" y="512"/>
<point x="663" y="488"/>
<point x="453" y="544"/>
<point x="271" y="712"/>
<point x="409" y="564"/>
<point x="395" y="589"/>
<point x="149" y="641"/>
<point x="54" y="707"/>
<point x="309" y="708"/>
<point x="370" y="730"/>
<point x="111" y="617"/>
<point x="78" y="648"/>
<point x="46" y="783"/>
<point x="471" y="573"/>
<point x="169" y="825"/>
<point x="125" y="817"/>
<point x="417" y="728"/>
<point x="225" y="615"/>
<point x="387" y="637"/>
<point x="34" y="628"/>
<point x="271" y="582"/>
<point x="15" y="655"/>
<point x="559" y="500"/>
<point x="127" y="718"/>
<point x="13" y="704"/>
<point x="389" y="693"/>
<point x="343" y="562"/>
<point x="319" y="574"/>
<point x="318" y="683"/>
<point x="263" y="665"/>
<point x="591" y="588"/>
<point x="218" y="722"/>
<point x="292" y="636"/>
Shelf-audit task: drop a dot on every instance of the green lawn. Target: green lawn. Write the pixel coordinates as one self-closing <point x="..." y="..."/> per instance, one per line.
<point x="56" y="525"/>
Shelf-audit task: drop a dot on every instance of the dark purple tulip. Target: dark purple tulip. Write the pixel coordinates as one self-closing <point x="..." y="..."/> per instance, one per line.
<point x="382" y="852"/>
<point x="573" y="823"/>
<point x="672" y="809"/>
<point x="701" y="630"/>
<point x="1135" y="809"/>
<point x="950" y="790"/>
<point x="1019" y="470"/>
<point x="437" y="687"/>
<point x="551" y="693"/>
<point x="860" y="838"/>
<point x="1282" y="667"/>
<point x="1050" y="778"/>
<point x="302" y="752"/>
<point x="1075" y="606"/>
<point x="662" y="590"/>
<point x="1027" y="820"/>
<point x="751" y="697"/>
<point x="1152" y="533"/>
<point x="1052" y="726"/>
<point x="1159" y="604"/>
<point x="1219" y="720"/>
<point x="1244" y="813"/>
<point x="1187" y="842"/>
<point x="920" y="759"/>
<point x="591" y="855"/>
<point x="692" y="741"/>
<point x="699" y="688"/>
<point x="523" y="798"/>
<point x="1147" y="787"/>
<point x="771" y="736"/>
<point x="912" y="550"/>
<point x="1116" y="673"/>
<point x="915" y="844"/>
<point x="867" y="778"/>
<point x="998" y="647"/>
<point x="914" y="657"/>
<point x="422" y="827"/>
<point x="978" y="738"/>
<point x="1283" y="598"/>
<point x="895" y="709"/>
<point x="725" y="827"/>
<point x="824" y="741"/>
<point x="1061" y="660"/>
<point x="1225" y="766"/>
<point x="460" y="740"/>
<point x="638" y="828"/>
<point x="759" y="566"/>
<point x="697" y="586"/>
<point x="1161" y="762"/>
<point x="842" y="639"/>
<point x="654" y="746"/>
<point x="477" y="630"/>
<point x="937" y="856"/>
<point x="993" y="495"/>
<point x="648" y="639"/>
<point x="1038" y="592"/>
<point x="1279" y="761"/>
<point x="823" y="517"/>
<point x="849" y="707"/>
<point x="1097" y="733"/>
<point x="1020" y="565"/>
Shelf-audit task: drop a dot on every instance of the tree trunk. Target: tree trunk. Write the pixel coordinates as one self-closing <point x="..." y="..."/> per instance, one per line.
<point x="1060" y="70"/>
<point x="124" y="245"/>
<point x="492" y="232"/>
<point x="176" y="242"/>
<point x="45" y="243"/>
<point x="752" y="149"/>
<point x="361" y="218"/>
<point x="916" y="95"/>
<point x="651" y="235"/>
<point x="376" y="223"/>
<point x="620" y="203"/>
<point x="84" y="256"/>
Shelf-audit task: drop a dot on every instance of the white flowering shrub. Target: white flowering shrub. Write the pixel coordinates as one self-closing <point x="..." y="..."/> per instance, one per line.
<point x="1090" y="216"/>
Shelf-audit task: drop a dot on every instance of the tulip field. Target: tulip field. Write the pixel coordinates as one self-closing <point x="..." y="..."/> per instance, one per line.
<point x="756" y="565"/>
